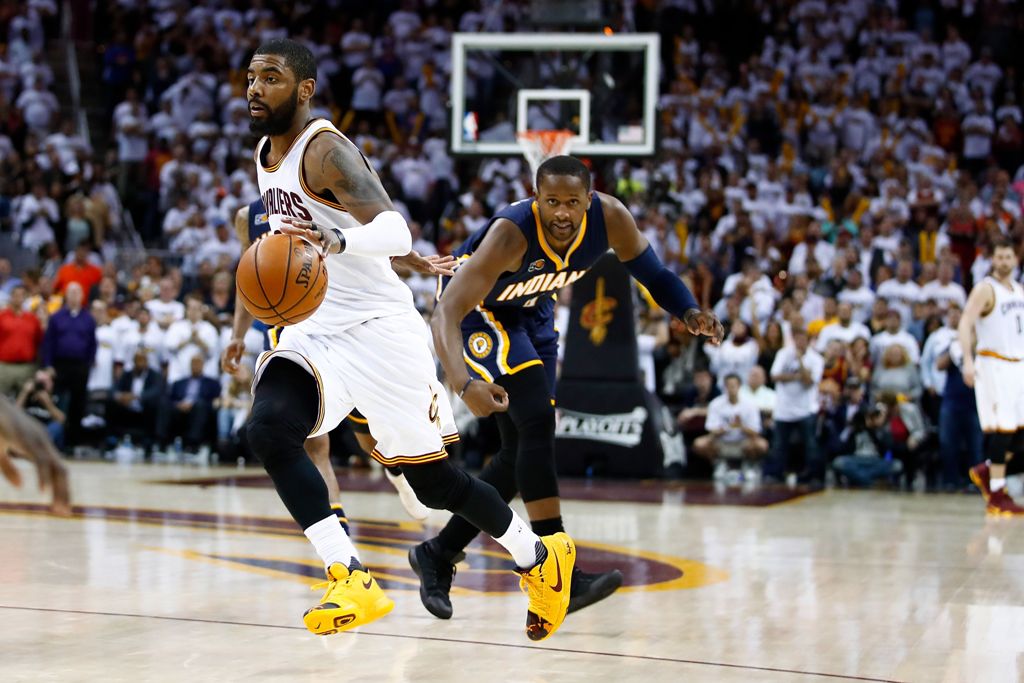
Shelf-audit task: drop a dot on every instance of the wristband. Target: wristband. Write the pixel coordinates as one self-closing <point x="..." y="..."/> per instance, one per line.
<point x="328" y="237"/>
<point x="466" y="385"/>
<point x="341" y="239"/>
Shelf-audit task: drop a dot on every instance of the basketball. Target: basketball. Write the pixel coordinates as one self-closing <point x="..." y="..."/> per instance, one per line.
<point x="282" y="279"/>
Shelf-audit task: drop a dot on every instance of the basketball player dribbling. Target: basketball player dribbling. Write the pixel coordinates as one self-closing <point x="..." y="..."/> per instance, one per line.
<point x="366" y="347"/>
<point x="494" y="332"/>
<point x="250" y="225"/>
<point x="995" y="314"/>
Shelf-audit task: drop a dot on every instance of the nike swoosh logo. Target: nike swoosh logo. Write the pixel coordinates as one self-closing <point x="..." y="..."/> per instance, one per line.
<point x="367" y="584"/>
<point x="558" y="568"/>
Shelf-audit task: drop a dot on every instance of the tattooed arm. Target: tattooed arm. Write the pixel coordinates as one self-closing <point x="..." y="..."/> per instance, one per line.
<point x="336" y="171"/>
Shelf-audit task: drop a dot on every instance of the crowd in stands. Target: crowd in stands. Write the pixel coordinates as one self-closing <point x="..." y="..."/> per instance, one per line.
<point x="830" y="180"/>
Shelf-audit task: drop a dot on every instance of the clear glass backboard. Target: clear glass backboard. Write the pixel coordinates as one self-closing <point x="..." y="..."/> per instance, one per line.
<point x="604" y="88"/>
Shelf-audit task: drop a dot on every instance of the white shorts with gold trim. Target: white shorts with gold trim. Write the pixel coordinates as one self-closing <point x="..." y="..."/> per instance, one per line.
<point x="383" y="368"/>
<point x="999" y="393"/>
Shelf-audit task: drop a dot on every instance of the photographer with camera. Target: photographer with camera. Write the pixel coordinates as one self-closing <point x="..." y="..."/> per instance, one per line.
<point x="869" y="441"/>
<point x="37" y="399"/>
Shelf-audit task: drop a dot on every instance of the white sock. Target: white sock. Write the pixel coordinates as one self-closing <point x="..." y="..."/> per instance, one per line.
<point x="331" y="542"/>
<point x="520" y="541"/>
<point x="996" y="484"/>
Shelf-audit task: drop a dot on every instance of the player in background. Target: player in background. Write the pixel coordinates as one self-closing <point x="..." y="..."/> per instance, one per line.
<point x="250" y="224"/>
<point x="995" y="315"/>
<point x="23" y="437"/>
<point x="494" y="333"/>
<point x="366" y="346"/>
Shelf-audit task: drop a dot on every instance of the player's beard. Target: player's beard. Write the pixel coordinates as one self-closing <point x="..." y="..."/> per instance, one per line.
<point x="1003" y="271"/>
<point x="277" y="121"/>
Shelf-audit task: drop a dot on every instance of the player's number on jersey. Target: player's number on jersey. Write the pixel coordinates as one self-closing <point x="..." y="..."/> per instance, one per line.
<point x="533" y="302"/>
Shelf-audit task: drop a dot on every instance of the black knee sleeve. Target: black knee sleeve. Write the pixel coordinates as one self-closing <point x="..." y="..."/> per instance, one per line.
<point x="284" y="410"/>
<point x="531" y="412"/>
<point x="997" y="445"/>
<point x="535" y="462"/>
<point x="439" y="485"/>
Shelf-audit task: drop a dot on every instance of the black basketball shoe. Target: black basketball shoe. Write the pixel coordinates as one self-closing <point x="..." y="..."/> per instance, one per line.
<point x="436" y="573"/>
<point x="587" y="588"/>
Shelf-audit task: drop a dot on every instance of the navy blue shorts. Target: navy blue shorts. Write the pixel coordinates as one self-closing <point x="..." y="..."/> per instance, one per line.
<point x="501" y="341"/>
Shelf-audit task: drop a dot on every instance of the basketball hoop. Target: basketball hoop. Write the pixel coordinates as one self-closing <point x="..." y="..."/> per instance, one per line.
<point x="538" y="145"/>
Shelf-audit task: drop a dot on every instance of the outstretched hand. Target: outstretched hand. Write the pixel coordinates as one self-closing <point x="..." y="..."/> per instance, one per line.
<point x="433" y="264"/>
<point x="704" y="323"/>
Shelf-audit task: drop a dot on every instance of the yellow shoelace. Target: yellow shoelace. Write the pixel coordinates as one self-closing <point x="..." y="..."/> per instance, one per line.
<point x="329" y="584"/>
<point x="533" y="592"/>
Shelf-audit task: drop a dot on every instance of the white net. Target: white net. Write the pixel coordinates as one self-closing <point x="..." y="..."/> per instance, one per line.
<point x="538" y="145"/>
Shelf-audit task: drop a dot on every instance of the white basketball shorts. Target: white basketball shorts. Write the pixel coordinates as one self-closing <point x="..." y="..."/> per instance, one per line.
<point x="999" y="393"/>
<point x="384" y="368"/>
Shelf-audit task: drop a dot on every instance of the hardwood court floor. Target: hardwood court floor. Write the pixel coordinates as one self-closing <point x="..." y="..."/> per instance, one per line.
<point x="180" y="574"/>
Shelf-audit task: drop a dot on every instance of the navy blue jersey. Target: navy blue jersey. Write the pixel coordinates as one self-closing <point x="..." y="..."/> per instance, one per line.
<point x="259" y="223"/>
<point x="542" y="271"/>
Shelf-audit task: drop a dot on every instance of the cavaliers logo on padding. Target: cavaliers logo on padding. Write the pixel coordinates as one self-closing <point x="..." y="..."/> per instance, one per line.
<point x="480" y="344"/>
<point x="598" y="314"/>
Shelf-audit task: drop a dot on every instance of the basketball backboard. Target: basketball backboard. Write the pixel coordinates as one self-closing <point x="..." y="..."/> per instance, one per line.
<point x="604" y="88"/>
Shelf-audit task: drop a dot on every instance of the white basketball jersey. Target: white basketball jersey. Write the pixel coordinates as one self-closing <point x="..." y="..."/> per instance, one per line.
<point x="1001" y="332"/>
<point x="359" y="288"/>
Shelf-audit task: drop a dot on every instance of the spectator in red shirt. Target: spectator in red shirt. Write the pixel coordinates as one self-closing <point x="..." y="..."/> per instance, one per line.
<point x="79" y="270"/>
<point x="20" y="337"/>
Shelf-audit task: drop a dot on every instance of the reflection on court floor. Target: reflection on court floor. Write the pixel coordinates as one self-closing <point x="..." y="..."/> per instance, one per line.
<point x="168" y="574"/>
<point x="486" y="569"/>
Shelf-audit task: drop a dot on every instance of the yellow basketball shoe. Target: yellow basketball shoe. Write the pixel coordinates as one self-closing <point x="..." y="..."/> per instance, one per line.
<point x="547" y="586"/>
<point x="352" y="599"/>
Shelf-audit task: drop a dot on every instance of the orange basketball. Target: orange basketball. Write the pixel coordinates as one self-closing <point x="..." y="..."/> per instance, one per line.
<point x="282" y="279"/>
